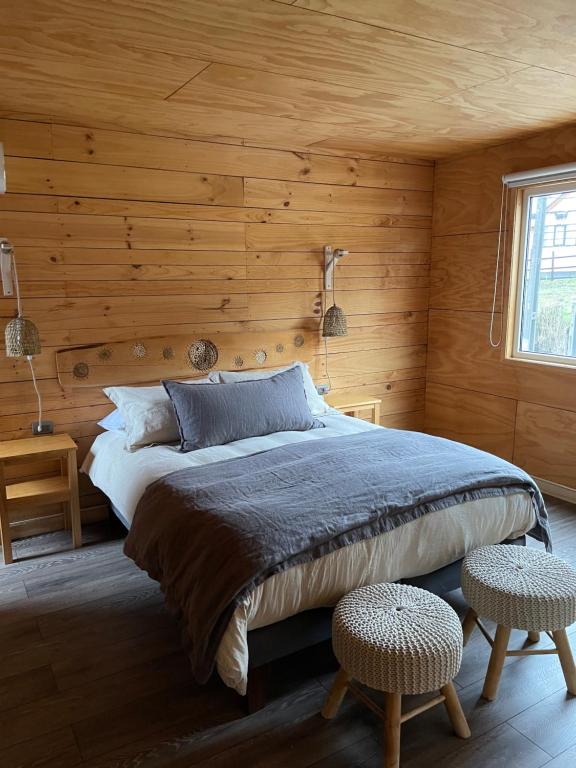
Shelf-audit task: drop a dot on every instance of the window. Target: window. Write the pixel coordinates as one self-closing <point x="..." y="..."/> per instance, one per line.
<point x="542" y="317"/>
<point x="560" y="234"/>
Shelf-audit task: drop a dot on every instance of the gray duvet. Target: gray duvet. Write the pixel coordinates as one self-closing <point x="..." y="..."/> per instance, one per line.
<point x="211" y="534"/>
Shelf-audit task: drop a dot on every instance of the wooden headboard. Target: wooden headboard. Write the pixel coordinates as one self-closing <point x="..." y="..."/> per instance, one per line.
<point x="163" y="357"/>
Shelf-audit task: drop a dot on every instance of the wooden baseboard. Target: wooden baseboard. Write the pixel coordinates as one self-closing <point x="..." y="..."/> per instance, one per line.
<point x="556" y="490"/>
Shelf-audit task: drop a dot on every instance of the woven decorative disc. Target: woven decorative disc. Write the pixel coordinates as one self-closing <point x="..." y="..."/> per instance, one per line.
<point x="203" y="354"/>
<point x="298" y="341"/>
<point x="81" y="371"/>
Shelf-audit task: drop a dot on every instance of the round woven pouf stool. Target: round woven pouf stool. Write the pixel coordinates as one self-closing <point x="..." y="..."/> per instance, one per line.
<point x="520" y="588"/>
<point x="400" y="640"/>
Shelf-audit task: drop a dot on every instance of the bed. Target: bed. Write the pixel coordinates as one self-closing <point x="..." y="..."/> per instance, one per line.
<point x="400" y="554"/>
<point x="290" y="608"/>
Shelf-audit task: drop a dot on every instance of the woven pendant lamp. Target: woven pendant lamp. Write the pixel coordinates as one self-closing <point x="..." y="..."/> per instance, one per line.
<point x="335" y="323"/>
<point x="22" y="338"/>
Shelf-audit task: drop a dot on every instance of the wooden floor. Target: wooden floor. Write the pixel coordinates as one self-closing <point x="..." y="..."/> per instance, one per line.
<point x="91" y="674"/>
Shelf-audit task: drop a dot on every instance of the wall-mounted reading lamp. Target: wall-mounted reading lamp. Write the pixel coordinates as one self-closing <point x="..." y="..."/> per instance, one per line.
<point x="331" y="258"/>
<point x="334" y="323"/>
<point x="22" y="337"/>
<point x="334" y="318"/>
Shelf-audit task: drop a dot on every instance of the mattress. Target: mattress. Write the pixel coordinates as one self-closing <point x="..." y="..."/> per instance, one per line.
<point x="416" y="548"/>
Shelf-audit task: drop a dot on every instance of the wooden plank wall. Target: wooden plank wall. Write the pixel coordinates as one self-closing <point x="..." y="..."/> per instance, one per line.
<point x="120" y="236"/>
<point x="521" y="411"/>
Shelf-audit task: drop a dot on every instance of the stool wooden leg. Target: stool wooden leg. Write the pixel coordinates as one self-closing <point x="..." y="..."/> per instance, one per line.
<point x="336" y="695"/>
<point x="566" y="659"/>
<point x="496" y="662"/>
<point x="533" y="637"/>
<point x="392" y="723"/>
<point x="455" y="713"/>
<point x="469" y="624"/>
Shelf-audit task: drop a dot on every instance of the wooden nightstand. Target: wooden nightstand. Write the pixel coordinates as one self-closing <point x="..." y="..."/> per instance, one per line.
<point x="353" y="403"/>
<point x="48" y="490"/>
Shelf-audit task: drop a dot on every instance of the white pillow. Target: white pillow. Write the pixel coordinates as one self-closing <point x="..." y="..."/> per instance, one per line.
<point x="148" y="414"/>
<point x="316" y="402"/>
<point x="112" y="422"/>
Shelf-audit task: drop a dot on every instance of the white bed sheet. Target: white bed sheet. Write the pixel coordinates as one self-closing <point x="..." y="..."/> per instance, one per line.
<point x="419" y="547"/>
<point x="124" y="475"/>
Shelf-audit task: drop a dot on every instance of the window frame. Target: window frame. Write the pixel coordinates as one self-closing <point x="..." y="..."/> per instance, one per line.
<point x="520" y="225"/>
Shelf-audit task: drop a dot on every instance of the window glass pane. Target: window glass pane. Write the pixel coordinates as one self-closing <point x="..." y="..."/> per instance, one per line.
<point x="548" y="306"/>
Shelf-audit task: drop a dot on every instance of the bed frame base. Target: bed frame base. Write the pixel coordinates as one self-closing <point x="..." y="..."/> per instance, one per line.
<point x="310" y="628"/>
<point x="313" y="627"/>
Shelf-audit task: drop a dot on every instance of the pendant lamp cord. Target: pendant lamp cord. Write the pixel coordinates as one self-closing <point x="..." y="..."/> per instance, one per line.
<point x="326" y="362"/>
<point x="325" y="339"/>
<point x="334" y="285"/>
<point x="29" y="358"/>
<point x="501" y="246"/>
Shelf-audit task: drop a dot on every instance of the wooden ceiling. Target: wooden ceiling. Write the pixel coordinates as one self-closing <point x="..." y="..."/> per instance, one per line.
<point x="427" y="78"/>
